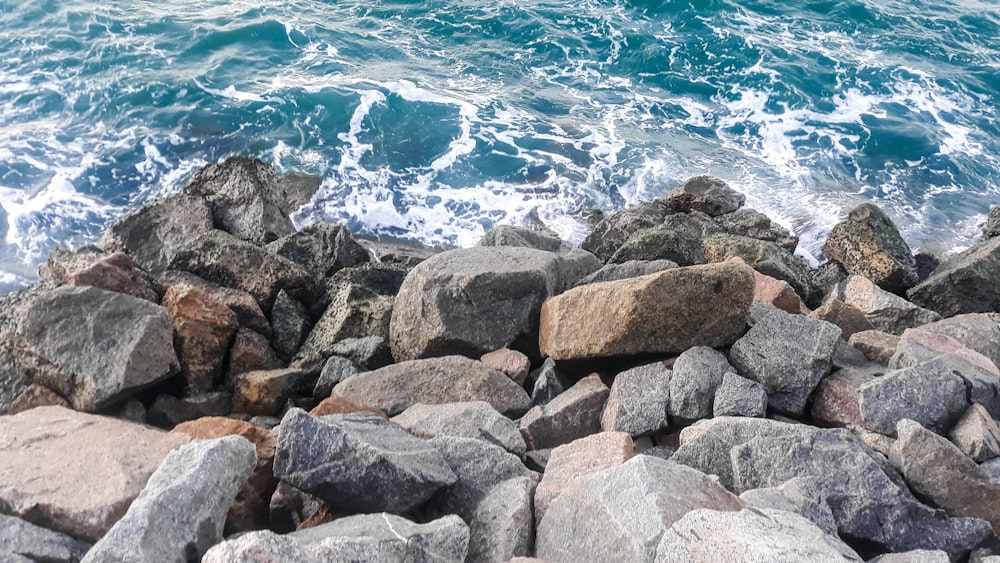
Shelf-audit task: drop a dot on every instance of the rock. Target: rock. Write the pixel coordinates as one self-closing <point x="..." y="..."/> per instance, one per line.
<point x="798" y="496"/>
<point x="96" y="347"/>
<point x="168" y="411"/>
<point x="364" y="537"/>
<point x="991" y="228"/>
<point x="739" y="396"/>
<point x="321" y="248"/>
<point x="180" y="512"/>
<point x="368" y="353"/>
<point x="967" y="283"/>
<point x="474" y="419"/>
<point x="132" y="410"/>
<point x="91" y="266"/>
<point x="677" y="238"/>
<point x="450" y="379"/>
<point x="359" y="462"/>
<point x="22" y="541"/>
<point x="836" y="401"/>
<point x="230" y="262"/>
<point x="789" y="355"/>
<point x="773" y="291"/>
<point x="626" y="270"/>
<point x="887" y="312"/>
<point x="765" y="257"/>
<point x="621" y="513"/>
<point x="251" y="352"/>
<point x="549" y="382"/>
<point x="929" y="393"/>
<point x="916" y="346"/>
<point x="33" y="396"/>
<point x="203" y="332"/>
<point x="750" y="535"/>
<point x="664" y="313"/>
<point x="823" y="279"/>
<point x="299" y="188"/>
<point x="573" y="414"/>
<point x="515" y="364"/>
<point x="915" y="556"/>
<point x="638" y="400"/>
<point x="159" y="230"/>
<point x="850" y="319"/>
<point x="291" y="324"/>
<point x="977" y="331"/>
<point x="389" y="250"/>
<point x="876" y="345"/>
<point x="510" y="235"/>
<point x="612" y="231"/>
<point x="476" y="300"/>
<point x="264" y="392"/>
<point x="706" y="194"/>
<point x="335" y="370"/>
<point x="577" y="460"/>
<point x="245" y="198"/>
<point x="868" y="244"/>
<point x="754" y="224"/>
<point x="976" y="434"/>
<point x="336" y="405"/>
<point x="248" y="311"/>
<point x="501" y="522"/>
<point x="75" y="473"/>
<point x="698" y="372"/>
<point x="291" y="509"/>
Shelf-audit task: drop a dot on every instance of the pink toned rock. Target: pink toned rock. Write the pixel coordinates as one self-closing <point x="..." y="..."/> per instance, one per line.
<point x="251" y="352"/>
<point x="34" y="396"/>
<point x="835" y="401"/>
<point x="338" y="405"/>
<point x="515" y="364"/>
<point x="90" y="266"/>
<point x="578" y="459"/>
<point x="850" y="319"/>
<point x="264" y="392"/>
<point x="247" y="310"/>
<point x="774" y="291"/>
<point x="203" y="332"/>
<point x="977" y="434"/>
<point x="76" y="473"/>
<point x="876" y="345"/>
<point x="914" y="339"/>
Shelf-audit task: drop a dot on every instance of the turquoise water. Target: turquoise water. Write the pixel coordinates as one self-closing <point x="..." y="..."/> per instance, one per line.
<point x="434" y="120"/>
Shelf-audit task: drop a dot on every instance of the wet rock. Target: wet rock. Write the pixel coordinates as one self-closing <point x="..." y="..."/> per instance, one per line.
<point x="836" y="401"/>
<point x="976" y="434"/>
<point x="510" y="235"/>
<point x="181" y="511"/>
<point x="168" y="411"/>
<point x="765" y="257"/>
<point x="474" y="419"/>
<point x="754" y="224"/>
<point x="798" y="496"/>
<point x="450" y="379"/>
<point x="868" y="244"/>
<point x="991" y="228"/>
<point x="638" y="401"/>
<point x="321" y="248"/>
<point x="876" y="345"/>
<point x="476" y="300"/>
<point x="96" y="347"/>
<point x="76" y="473"/>
<point x="264" y="392"/>
<point x="335" y="370"/>
<point x="929" y="393"/>
<point x="612" y="231"/>
<point x="887" y="312"/>
<point x="21" y="541"/>
<point x="155" y="233"/>
<point x="667" y="312"/>
<point x="91" y="266"/>
<point x="573" y="414"/>
<point x="711" y="196"/>
<point x="850" y="319"/>
<point x="291" y="324"/>
<point x="678" y="239"/>
<point x="739" y="396"/>
<point x="515" y="364"/>
<point x="626" y="270"/>
<point x="358" y="462"/>
<point x="977" y="331"/>
<point x="789" y="355"/>
<point x="967" y="283"/>
<point x="368" y="353"/>
<point x="248" y="311"/>
<point x="698" y="372"/>
<point x="203" y="332"/>
<point x="251" y="352"/>
<point x="33" y="396"/>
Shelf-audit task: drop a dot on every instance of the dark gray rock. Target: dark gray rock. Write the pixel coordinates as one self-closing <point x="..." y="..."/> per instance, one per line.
<point x="754" y="224"/>
<point x="359" y="462"/>
<point x="548" y="383"/>
<point x="95" y="347"/>
<point x="168" y="411"/>
<point x="638" y="400"/>
<point x="368" y="353"/>
<point x="868" y="244"/>
<point x="155" y="233"/>
<point x="709" y="195"/>
<point x="796" y="495"/>
<point x="977" y="331"/>
<point x="180" y="512"/>
<point x="739" y="396"/>
<point x="335" y="370"/>
<point x="698" y="372"/>
<point x="473" y="419"/>
<point x="887" y="312"/>
<point x="22" y="541"/>
<point x="788" y="354"/>
<point x="290" y="323"/>
<point x="630" y="269"/>
<point x="967" y="283"/>
<point x="612" y="231"/>
<point x="510" y="235"/>
<point x="573" y="414"/>
<point x="321" y="248"/>
<point x="991" y="228"/>
<point x="765" y="257"/>
<point x="299" y="188"/>
<point x="289" y="507"/>
<point x="677" y="238"/>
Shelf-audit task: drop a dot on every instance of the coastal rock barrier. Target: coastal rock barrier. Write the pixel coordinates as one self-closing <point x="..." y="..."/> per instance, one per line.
<point x="207" y="383"/>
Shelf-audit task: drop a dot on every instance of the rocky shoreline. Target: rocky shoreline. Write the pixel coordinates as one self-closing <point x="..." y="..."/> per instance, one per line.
<point x="207" y="383"/>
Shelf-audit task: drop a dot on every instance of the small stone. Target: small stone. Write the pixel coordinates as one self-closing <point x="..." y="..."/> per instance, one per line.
<point x="876" y="345"/>
<point x="836" y="401"/>
<point x="976" y="434"/>
<point x="573" y="414"/>
<point x="638" y="401"/>
<point x="739" y="396"/>
<point x="474" y="419"/>
<point x="335" y="370"/>
<point x="697" y="374"/>
<point x="850" y="319"/>
<point x="264" y="392"/>
<point x="515" y="364"/>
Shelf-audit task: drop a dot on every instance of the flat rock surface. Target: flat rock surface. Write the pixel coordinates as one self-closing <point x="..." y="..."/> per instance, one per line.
<point x="639" y="400"/>
<point x="884" y="310"/>
<point x="573" y="414"/>
<point x="967" y="283"/>
<point x="473" y="419"/>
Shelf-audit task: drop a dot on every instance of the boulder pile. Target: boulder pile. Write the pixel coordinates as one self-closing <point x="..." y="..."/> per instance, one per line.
<point x="209" y="384"/>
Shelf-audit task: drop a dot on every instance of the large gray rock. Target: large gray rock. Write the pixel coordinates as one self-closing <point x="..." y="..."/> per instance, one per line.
<point x="630" y="269"/>
<point x="967" y="283"/>
<point x="180" y="512"/>
<point x="621" y="513"/>
<point x="473" y="419"/>
<point x="96" y="347"/>
<point x="451" y="379"/>
<point x="709" y="195"/>
<point x="510" y="235"/>
<point x="573" y="414"/>
<point x="765" y="257"/>
<point x="698" y="372"/>
<point x="788" y="354"/>
<point x="476" y="300"/>
<point x="612" y="231"/>
<point x="887" y="312"/>
<point x="638" y="400"/>
<point x="365" y="537"/>
<point x="978" y="331"/>
<point x="155" y="233"/>
<point x="749" y="536"/>
<point x="321" y="248"/>
<point x="739" y="396"/>
<point x="21" y="541"/>
<point x="678" y="239"/>
<point x="359" y="462"/>
<point x="92" y="266"/>
<point x="868" y="244"/>
<point x="798" y="496"/>
<point x="754" y="224"/>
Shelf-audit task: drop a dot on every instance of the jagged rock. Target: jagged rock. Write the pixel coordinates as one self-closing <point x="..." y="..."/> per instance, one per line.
<point x="181" y="511"/>
<point x="848" y="318"/>
<point x="977" y="331"/>
<point x="246" y="199"/>
<point x="515" y="364"/>
<point x="667" y="312"/>
<point x="773" y="291"/>
<point x="795" y="495"/>
<point x="291" y="324"/>
<point x="168" y="411"/>
<point x="335" y="370"/>
<point x="887" y="312"/>
<point x="368" y="353"/>
<point x="510" y="235"/>
<point x="299" y="189"/>
<point x="612" y="231"/>
<point x="823" y="279"/>
<point x="473" y="419"/>
<point x="967" y="283"/>
<point x="548" y="383"/>
<point x="765" y="257"/>
<point x="92" y="266"/>
<point x="698" y="372"/>
<point x="248" y="311"/>
<point x="95" y="347"/>
<point x="621" y="513"/>
<point x="573" y="462"/>
<point x="292" y="509"/>
<point x="155" y="233"/>
<point x="321" y="248"/>
<point x="926" y="264"/>
<point x="991" y="227"/>
<point x="677" y="238"/>
<point x="33" y="396"/>
<point x="754" y="224"/>
<point x="389" y="250"/>
<point x="251" y="352"/>
<point x="76" y="473"/>
<point x="868" y="244"/>
<point x="450" y="379"/>
<point x="739" y="396"/>
<point x="21" y="541"/>
<point x="264" y="392"/>
<point x="626" y="270"/>
<point x="706" y="194"/>
<point x="360" y="462"/>
<point x="914" y="556"/>
<point x="364" y="537"/>
<point x="476" y="300"/>
<point x="876" y="345"/>
<point x="336" y="405"/>
<point x="976" y="434"/>
<point x="929" y="393"/>
<point x="203" y="332"/>
<point x="750" y="535"/>
<point x="788" y="354"/>
<point x="836" y="401"/>
<point x="573" y="414"/>
<point x="638" y="401"/>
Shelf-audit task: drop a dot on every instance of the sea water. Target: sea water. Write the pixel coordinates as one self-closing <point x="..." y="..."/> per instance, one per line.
<point x="436" y="120"/>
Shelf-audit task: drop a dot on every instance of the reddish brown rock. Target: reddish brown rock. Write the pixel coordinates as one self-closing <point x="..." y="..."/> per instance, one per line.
<point x="835" y="401"/>
<point x="34" y="396"/>
<point x="578" y="459"/>
<point x="515" y="364"/>
<point x="977" y="434"/>
<point x="574" y="413"/>
<point x="88" y="266"/>
<point x="264" y="392"/>
<point x="850" y="319"/>
<point x="918" y="345"/>
<point x="774" y="291"/>
<point x="666" y="312"/>
<point x="247" y="310"/>
<point x="203" y="332"/>
<point x="251" y="352"/>
<point x="76" y="473"/>
<point x="876" y="345"/>
<point x="338" y="405"/>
